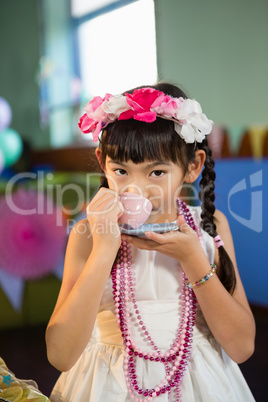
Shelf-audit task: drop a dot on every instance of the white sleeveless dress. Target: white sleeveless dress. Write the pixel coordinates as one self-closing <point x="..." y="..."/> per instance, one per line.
<point x="98" y="375"/>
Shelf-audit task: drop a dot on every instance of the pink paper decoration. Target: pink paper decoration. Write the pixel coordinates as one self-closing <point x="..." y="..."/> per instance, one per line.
<point x="31" y="242"/>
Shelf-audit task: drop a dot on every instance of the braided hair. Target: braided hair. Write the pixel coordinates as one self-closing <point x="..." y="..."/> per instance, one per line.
<point x="226" y="272"/>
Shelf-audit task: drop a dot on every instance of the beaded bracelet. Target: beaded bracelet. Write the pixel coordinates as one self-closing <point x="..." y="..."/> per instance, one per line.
<point x="191" y="285"/>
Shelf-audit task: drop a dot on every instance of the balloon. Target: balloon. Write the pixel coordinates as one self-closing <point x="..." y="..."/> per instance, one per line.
<point x="11" y="146"/>
<point x="2" y="161"/>
<point x="5" y="114"/>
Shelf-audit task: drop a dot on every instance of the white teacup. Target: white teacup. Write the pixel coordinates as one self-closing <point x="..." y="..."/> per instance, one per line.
<point x="137" y="209"/>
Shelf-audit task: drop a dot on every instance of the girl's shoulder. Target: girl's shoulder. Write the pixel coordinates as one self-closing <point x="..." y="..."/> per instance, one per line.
<point x="222" y="229"/>
<point x="221" y="220"/>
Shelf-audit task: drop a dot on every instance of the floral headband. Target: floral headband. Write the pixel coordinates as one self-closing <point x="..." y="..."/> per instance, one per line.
<point x="146" y="105"/>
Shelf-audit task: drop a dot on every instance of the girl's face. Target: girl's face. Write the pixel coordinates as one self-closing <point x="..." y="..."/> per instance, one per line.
<point x="159" y="181"/>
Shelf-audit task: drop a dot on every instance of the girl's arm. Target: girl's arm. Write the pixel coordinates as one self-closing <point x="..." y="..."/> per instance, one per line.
<point x="91" y="251"/>
<point x="228" y="316"/>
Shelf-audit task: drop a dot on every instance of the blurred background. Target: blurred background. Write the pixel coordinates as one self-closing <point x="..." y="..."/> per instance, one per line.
<point x="55" y="56"/>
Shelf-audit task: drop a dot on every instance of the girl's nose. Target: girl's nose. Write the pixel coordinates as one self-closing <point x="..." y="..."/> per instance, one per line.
<point x="134" y="188"/>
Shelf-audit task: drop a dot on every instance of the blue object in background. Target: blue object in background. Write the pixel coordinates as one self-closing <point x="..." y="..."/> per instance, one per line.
<point x="242" y="195"/>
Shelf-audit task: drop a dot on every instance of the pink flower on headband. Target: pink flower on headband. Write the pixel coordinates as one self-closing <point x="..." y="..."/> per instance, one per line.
<point x="166" y="106"/>
<point x="100" y="112"/>
<point x="141" y="102"/>
<point x="95" y="118"/>
<point x="146" y="104"/>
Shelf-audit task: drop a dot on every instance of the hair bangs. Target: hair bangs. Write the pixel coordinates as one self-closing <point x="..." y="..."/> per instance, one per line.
<point x="138" y="141"/>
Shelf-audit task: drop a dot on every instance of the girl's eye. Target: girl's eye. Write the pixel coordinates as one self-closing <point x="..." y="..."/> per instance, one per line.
<point x="120" y="172"/>
<point x="157" y="173"/>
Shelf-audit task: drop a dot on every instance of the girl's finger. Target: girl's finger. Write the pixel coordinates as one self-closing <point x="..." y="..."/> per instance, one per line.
<point x="183" y="225"/>
<point x="164" y="238"/>
<point x="158" y="237"/>
<point x="141" y="243"/>
<point x="102" y="195"/>
<point x="103" y="204"/>
<point x="121" y="209"/>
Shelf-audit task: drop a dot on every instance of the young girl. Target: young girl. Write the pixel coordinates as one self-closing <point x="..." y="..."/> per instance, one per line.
<point x="163" y="317"/>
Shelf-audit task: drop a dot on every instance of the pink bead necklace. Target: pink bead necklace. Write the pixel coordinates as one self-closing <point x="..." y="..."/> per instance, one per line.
<point x="175" y="360"/>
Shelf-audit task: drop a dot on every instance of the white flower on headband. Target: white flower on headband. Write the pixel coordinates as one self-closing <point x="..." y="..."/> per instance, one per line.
<point x="146" y="104"/>
<point x="115" y="106"/>
<point x="192" y="125"/>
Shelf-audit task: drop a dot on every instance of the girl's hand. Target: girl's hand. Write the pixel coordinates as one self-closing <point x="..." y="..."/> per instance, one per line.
<point x="102" y="214"/>
<point x="180" y="244"/>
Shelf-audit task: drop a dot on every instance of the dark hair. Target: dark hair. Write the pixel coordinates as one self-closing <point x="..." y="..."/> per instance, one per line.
<point x="158" y="140"/>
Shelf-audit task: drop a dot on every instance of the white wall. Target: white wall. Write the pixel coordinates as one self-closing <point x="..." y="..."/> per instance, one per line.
<point x="218" y="51"/>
